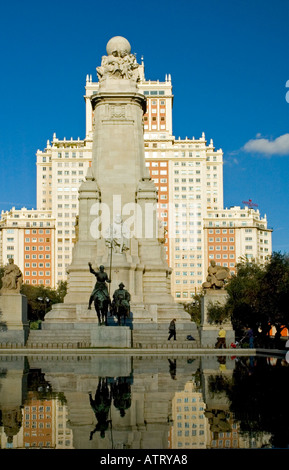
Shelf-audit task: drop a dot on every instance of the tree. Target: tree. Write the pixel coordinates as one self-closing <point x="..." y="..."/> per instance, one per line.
<point x="217" y="313"/>
<point x="258" y="296"/>
<point x="274" y="298"/>
<point x="40" y="299"/>
<point x="243" y="296"/>
<point x="194" y="308"/>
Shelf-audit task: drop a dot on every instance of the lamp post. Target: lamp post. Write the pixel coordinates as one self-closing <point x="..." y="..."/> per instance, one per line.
<point x="45" y="301"/>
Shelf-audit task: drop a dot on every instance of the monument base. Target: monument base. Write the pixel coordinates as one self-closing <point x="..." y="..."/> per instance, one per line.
<point x="209" y="335"/>
<point x="208" y="331"/>
<point x="14" y="327"/>
<point x="111" y="337"/>
<point x="68" y="314"/>
<point x="147" y="325"/>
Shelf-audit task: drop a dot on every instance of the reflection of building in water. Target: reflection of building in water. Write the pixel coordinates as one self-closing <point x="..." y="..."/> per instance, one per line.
<point x="43" y="425"/>
<point x="225" y="439"/>
<point x="38" y="422"/>
<point x="234" y="439"/>
<point x="190" y="427"/>
<point x="64" y="435"/>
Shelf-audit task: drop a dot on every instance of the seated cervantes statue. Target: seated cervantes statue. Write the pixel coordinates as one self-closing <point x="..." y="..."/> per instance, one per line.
<point x="12" y="279"/>
<point x="216" y="277"/>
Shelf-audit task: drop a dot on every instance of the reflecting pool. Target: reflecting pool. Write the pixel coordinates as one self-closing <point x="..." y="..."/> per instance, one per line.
<point x="143" y="402"/>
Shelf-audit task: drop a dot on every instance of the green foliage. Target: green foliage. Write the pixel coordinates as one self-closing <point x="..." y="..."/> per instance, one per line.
<point x="258" y="296"/>
<point x="217" y="313"/>
<point x="243" y="295"/>
<point x="194" y="308"/>
<point x="40" y="299"/>
<point x="35" y="325"/>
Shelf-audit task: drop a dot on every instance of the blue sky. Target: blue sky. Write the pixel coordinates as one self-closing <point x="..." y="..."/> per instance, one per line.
<point x="229" y="62"/>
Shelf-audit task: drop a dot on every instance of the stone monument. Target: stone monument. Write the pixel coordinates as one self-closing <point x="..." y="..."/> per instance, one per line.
<point x="13" y="307"/>
<point x="118" y="226"/>
<point x="214" y="294"/>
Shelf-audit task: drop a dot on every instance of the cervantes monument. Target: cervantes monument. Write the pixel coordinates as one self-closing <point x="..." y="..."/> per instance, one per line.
<point x="117" y="223"/>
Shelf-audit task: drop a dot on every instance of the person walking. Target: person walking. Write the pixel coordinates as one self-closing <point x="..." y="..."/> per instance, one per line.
<point x="221" y="342"/>
<point x="172" y="329"/>
<point x="251" y="338"/>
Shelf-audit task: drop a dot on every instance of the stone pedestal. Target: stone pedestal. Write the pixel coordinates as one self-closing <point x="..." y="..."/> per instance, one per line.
<point x="208" y="331"/>
<point x="14" y="323"/>
<point x="108" y="337"/>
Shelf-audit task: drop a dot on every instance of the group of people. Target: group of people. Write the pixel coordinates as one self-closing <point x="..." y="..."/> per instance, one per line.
<point x="221" y="340"/>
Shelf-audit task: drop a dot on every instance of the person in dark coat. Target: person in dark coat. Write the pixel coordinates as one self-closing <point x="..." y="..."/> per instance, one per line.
<point x="172" y="329"/>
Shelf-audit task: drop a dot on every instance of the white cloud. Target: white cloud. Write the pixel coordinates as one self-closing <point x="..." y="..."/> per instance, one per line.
<point x="279" y="146"/>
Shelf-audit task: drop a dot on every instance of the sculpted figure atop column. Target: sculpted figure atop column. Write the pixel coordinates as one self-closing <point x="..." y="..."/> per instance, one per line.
<point x="119" y="62"/>
<point x="12" y="279"/>
<point x="217" y="276"/>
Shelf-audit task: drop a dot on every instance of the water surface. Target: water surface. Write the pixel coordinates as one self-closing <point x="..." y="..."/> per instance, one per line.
<point x="143" y="402"/>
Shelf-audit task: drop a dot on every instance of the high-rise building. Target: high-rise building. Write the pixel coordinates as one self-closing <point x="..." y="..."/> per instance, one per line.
<point x="188" y="174"/>
<point x="28" y="236"/>
<point x="234" y="233"/>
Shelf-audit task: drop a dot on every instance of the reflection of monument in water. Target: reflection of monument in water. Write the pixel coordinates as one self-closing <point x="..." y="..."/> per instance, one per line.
<point x="13" y="391"/>
<point x="120" y="402"/>
<point x="142" y="421"/>
<point x="118" y="191"/>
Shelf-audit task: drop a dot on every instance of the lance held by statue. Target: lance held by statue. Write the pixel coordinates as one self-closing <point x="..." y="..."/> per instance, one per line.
<point x="100" y="294"/>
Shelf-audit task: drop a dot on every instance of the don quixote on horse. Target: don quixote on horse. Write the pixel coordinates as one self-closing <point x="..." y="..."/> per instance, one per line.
<point x="119" y="307"/>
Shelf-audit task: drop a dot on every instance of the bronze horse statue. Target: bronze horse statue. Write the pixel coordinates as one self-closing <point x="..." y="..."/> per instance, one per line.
<point x="101" y="305"/>
<point x="120" y="311"/>
<point x="100" y="296"/>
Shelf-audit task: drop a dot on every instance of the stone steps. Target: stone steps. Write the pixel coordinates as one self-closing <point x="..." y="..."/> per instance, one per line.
<point x="159" y="339"/>
<point x="11" y="345"/>
<point x="163" y="346"/>
<point x="143" y="337"/>
<point x="58" y="339"/>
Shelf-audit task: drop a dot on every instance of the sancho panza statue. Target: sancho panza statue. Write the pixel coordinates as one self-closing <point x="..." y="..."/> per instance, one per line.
<point x="12" y="279"/>
<point x="217" y="276"/>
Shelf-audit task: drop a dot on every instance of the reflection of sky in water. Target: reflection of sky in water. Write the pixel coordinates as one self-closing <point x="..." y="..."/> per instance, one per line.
<point x="143" y="402"/>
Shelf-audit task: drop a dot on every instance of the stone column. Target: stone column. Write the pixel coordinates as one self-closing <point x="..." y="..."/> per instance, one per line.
<point x="14" y="324"/>
<point x="209" y="331"/>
